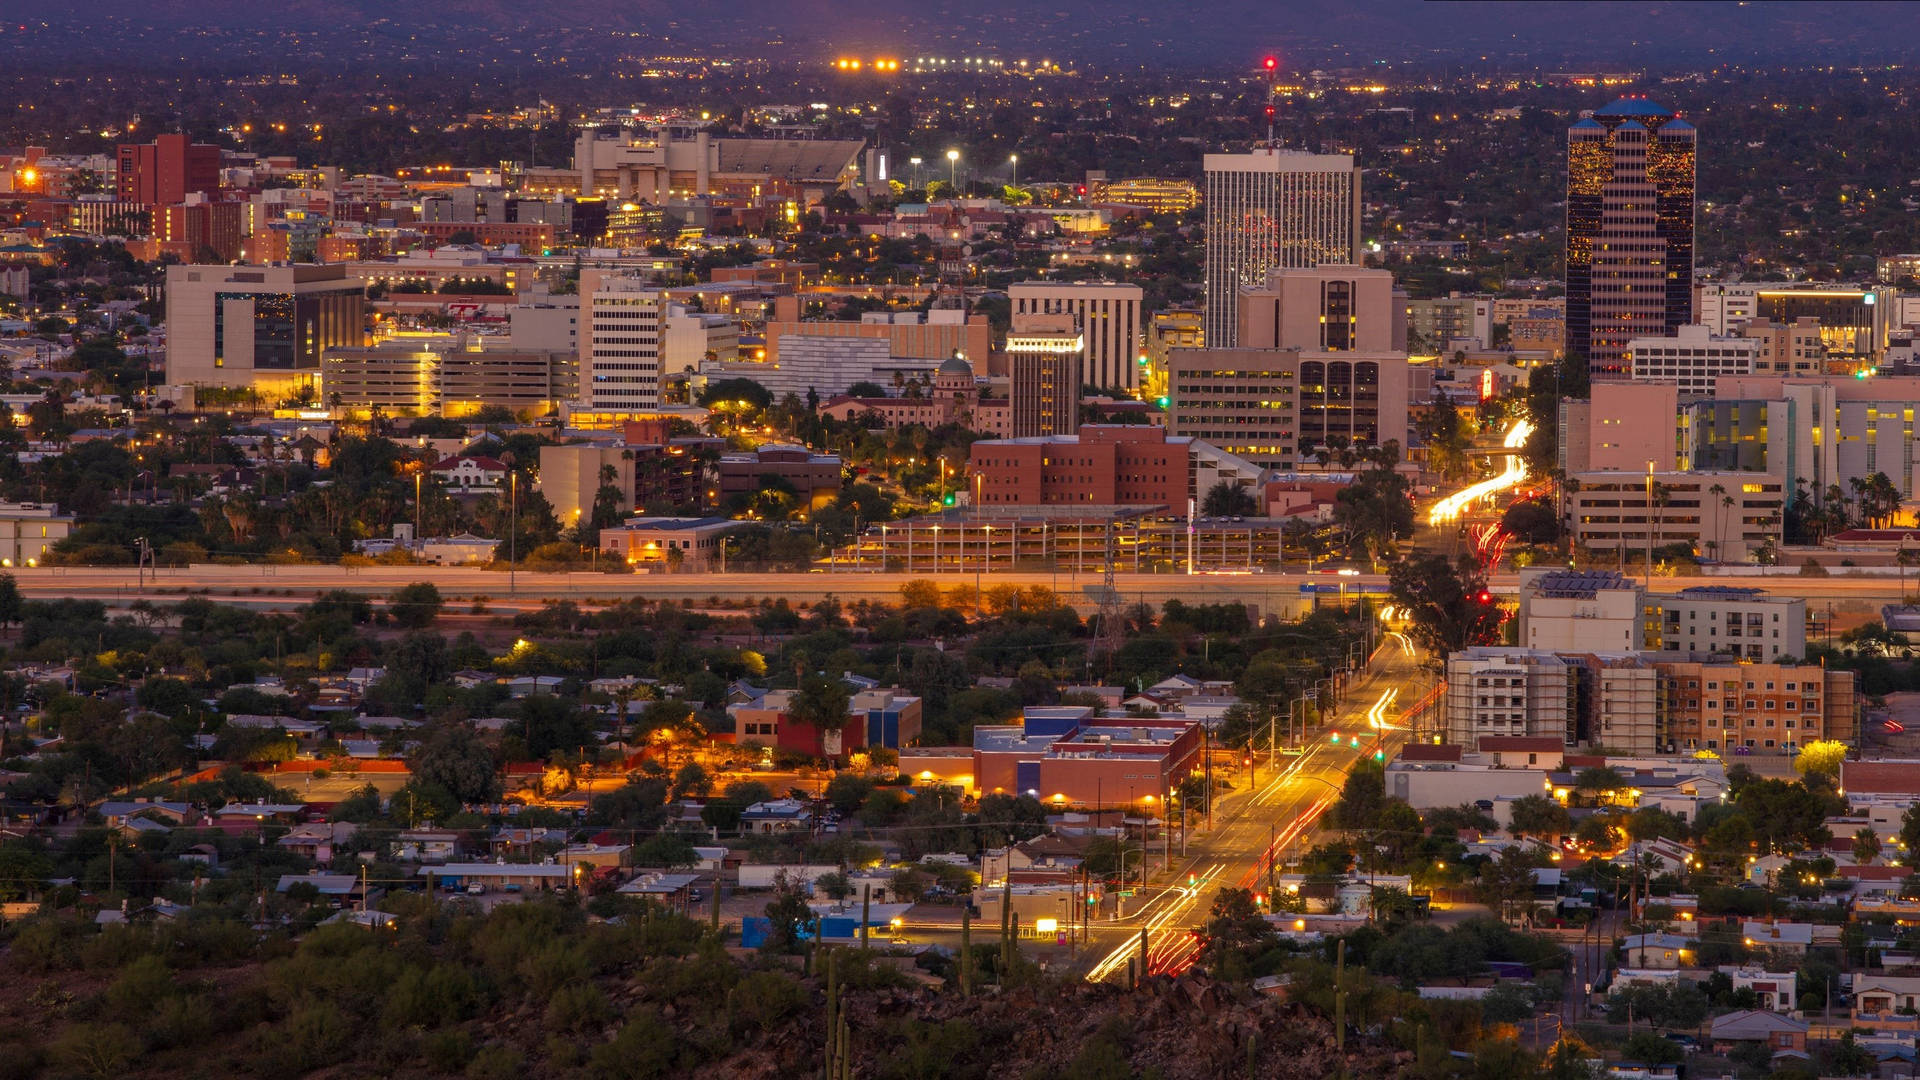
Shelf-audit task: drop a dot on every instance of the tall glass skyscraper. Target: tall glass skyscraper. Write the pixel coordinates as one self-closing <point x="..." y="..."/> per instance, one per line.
<point x="1274" y="208"/>
<point x="1630" y="169"/>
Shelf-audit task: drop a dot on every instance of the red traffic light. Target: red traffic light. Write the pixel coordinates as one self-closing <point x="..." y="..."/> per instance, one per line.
<point x="1271" y="63"/>
<point x="1486" y="596"/>
<point x="1080" y="189"/>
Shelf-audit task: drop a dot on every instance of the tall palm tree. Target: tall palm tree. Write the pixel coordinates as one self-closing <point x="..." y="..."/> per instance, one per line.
<point x="1718" y="491"/>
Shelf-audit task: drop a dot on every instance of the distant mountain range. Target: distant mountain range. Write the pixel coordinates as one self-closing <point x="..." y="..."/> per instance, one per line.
<point x="1218" y="32"/>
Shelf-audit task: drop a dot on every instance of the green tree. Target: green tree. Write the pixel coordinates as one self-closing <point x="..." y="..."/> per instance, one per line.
<point x="1375" y="509"/>
<point x="454" y="757"/>
<point x="1538" y="815"/>
<point x="1228" y="499"/>
<point x="1866" y="846"/>
<point x="1447" y="602"/>
<point x="1235" y="933"/>
<point x="790" y="919"/>
<point x="414" y="606"/>
<point x="12" y="604"/>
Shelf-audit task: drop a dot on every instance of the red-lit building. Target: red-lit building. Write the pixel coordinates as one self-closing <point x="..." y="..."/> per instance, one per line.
<point x="1118" y="465"/>
<point x="1066" y="756"/>
<point x="167" y="170"/>
<point x="186" y="228"/>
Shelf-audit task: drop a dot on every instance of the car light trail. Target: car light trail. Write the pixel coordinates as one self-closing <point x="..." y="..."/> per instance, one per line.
<point x="1451" y="507"/>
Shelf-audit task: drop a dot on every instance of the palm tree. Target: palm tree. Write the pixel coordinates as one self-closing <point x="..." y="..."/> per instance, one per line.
<point x="1718" y="491"/>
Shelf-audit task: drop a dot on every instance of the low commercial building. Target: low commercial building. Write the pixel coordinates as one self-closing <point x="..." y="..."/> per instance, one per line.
<point x="769" y="722"/>
<point x="1278" y="407"/>
<point x="1426" y="784"/>
<point x="1693" y="359"/>
<point x="815" y="478"/>
<point x="670" y="543"/>
<point x="445" y="375"/>
<point x="28" y="529"/>
<point x="1580" y="609"/>
<point x="1068" y="538"/>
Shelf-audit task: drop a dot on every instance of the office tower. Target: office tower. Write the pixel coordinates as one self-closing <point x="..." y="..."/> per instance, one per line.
<point x="1043" y="355"/>
<point x="260" y="327"/>
<point x="1281" y="407"/>
<point x="167" y="170"/>
<point x="1109" y="320"/>
<point x="1629" y="231"/>
<point x="1274" y="208"/>
<point x="1326" y="309"/>
<point x="620" y="352"/>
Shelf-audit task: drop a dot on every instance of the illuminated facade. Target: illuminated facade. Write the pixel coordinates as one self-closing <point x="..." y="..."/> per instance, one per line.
<point x="261" y="327"/>
<point x="1277" y="407"/>
<point x="1274" y="209"/>
<point x="1043" y="357"/>
<point x="1108" y="316"/>
<point x="1630" y="222"/>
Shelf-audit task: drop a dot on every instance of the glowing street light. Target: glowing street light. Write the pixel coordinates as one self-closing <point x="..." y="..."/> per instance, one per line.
<point x="953" y="162"/>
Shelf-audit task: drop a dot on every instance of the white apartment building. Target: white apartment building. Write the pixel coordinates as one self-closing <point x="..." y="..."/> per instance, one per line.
<point x="1273" y="208"/>
<point x="1580" y="611"/>
<point x="1109" y="319"/>
<point x="1693" y="358"/>
<point x="620" y="352"/>
<point x="1749" y="623"/>
<point x="1497" y="690"/>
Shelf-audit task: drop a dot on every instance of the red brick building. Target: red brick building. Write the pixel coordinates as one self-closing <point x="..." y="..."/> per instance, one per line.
<point x="1118" y="465"/>
<point x="167" y="170"/>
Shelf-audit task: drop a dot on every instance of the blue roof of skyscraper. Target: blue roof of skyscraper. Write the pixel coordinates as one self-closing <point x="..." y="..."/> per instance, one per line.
<point x="1633" y="107"/>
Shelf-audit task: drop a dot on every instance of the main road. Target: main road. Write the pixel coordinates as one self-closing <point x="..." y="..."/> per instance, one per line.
<point x="1255" y="828"/>
<point x="285" y="586"/>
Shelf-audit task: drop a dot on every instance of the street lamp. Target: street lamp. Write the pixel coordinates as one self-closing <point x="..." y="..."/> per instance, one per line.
<point x="513" y="520"/>
<point x="915" y="162"/>
<point x="1013" y="170"/>
<point x="953" y="163"/>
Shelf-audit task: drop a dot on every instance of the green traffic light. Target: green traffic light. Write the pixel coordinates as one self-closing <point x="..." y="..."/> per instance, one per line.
<point x="1356" y="742"/>
<point x="1379" y="755"/>
<point x="1336" y="738"/>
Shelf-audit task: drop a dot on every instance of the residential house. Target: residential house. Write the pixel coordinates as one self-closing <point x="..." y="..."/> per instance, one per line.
<point x="427" y="845"/>
<point x="471" y="473"/>
<point x="1775" y="989"/>
<point x="1758" y="1025"/>
<point x="316" y="840"/>
<point x="337" y="889"/>
<point x="1664" y="951"/>
<point x="117" y="813"/>
<point x="776" y="815"/>
<point x="1886" y="1001"/>
<point x="1788" y="937"/>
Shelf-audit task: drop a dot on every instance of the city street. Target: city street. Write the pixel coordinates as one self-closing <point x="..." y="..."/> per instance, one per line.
<point x="1253" y="826"/>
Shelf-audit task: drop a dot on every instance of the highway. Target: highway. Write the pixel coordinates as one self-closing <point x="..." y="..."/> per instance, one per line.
<point x="1256" y="827"/>
<point x="282" y="587"/>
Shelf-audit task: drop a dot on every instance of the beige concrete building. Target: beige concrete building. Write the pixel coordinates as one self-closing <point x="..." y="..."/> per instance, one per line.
<point x="1108" y="316"/>
<point x="1620" y="512"/>
<point x="1269" y="208"/>
<point x="1793" y="348"/>
<point x="259" y="327"/>
<point x="1624" y="709"/>
<point x="1044" y="362"/>
<point x="1581" y="610"/>
<point x="1752" y="624"/>
<point x="28" y="529"/>
<point x="570" y="477"/>
<point x="445" y="375"/>
<point x="1275" y="407"/>
<point x="1323" y="309"/>
<point x="1692" y="358"/>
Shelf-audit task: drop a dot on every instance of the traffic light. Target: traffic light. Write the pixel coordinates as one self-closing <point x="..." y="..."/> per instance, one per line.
<point x="1380" y="755"/>
<point x="1356" y="742"/>
<point x="1192" y="880"/>
<point x="947" y="499"/>
<point x="1486" y="596"/>
<point x="1336" y="738"/>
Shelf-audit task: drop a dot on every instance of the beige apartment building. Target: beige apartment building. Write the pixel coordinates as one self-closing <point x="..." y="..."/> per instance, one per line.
<point x="1716" y="703"/>
<point x="1494" y="690"/>
<point x="28" y="529"/>
<point x="1726" y="516"/>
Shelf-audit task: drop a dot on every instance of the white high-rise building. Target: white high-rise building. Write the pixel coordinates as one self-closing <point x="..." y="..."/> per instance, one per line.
<point x="1109" y="319"/>
<point x="1274" y="208"/>
<point x="620" y="352"/>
